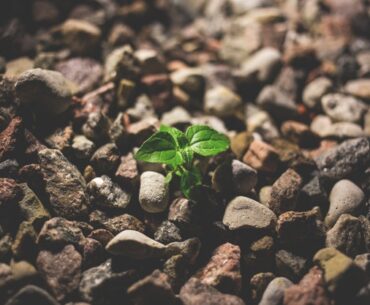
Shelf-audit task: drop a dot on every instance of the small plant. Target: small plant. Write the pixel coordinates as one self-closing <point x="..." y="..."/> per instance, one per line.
<point x="176" y="150"/>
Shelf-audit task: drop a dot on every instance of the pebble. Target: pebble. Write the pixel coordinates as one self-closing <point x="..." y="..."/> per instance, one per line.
<point x="240" y="143"/>
<point x="315" y="90"/>
<point x="346" y="236"/>
<point x="31" y="294"/>
<point x="246" y="213"/>
<point x="153" y="193"/>
<point x="285" y="191"/>
<point x="342" y="276"/>
<point x="154" y="288"/>
<point x="167" y="233"/>
<point x="223" y="270"/>
<point x="176" y="117"/>
<point x="363" y="261"/>
<point x="184" y="213"/>
<point x="82" y="147"/>
<point x="310" y="290"/>
<point x="342" y="108"/>
<point x="9" y="138"/>
<point x="123" y="222"/>
<point x="262" y="157"/>
<point x="61" y="271"/>
<point x="221" y="101"/>
<point x="344" y="160"/>
<point x="24" y="244"/>
<point x="258" y="283"/>
<point x="64" y="184"/>
<point x="127" y="173"/>
<point x="105" y="193"/>
<point x="105" y="160"/>
<point x="290" y="265"/>
<point x="80" y="36"/>
<point x="46" y="90"/>
<point x="196" y="293"/>
<point x="274" y="293"/>
<point x="359" y="88"/>
<point x="96" y="127"/>
<point x="234" y="177"/>
<point x="345" y="197"/>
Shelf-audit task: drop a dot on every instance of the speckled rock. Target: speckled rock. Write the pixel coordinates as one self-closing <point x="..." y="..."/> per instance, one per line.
<point x="167" y="233"/>
<point x="105" y="159"/>
<point x="274" y="293"/>
<point x="123" y="222"/>
<point x="262" y="157"/>
<point x="64" y="184"/>
<point x="105" y="193"/>
<point x="61" y="271"/>
<point x="221" y="102"/>
<point x="153" y="193"/>
<point x="258" y="283"/>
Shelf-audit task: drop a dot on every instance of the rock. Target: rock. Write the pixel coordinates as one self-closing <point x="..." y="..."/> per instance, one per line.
<point x="315" y="90"/>
<point x="363" y="261"/>
<point x="365" y="223"/>
<point x="177" y="270"/>
<point x="302" y="231"/>
<point x="31" y="207"/>
<point x="359" y="88"/>
<point x="264" y="195"/>
<point x="234" y="177"/>
<point x="105" y="193"/>
<point x="46" y="90"/>
<point x="95" y="281"/>
<point x="80" y="36"/>
<point x="61" y="271"/>
<point x="240" y="143"/>
<point x="345" y="197"/>
<point x="82" y="147"/>
<point x="31" y="294"/>
<point x="196" y="293"/>
<point x="101" y="235"/>
<point x="123" y="222"/>
<point x="153" y="193"/>
<point x="83" y="72"/>
<point x="154" y="288"/>
<point x="258" y="284"/>
<point x="346" y="235"/>
<point x="261" y="66"/>
<point x="290" y="265"/>
<point x="344" y="160"/>
<point x="274" y="293"/>
<point x="136" y="245"/>
<point x="17" y="66"/>
<point x="127" y="172"/>
<point x="60" y="139"/>
<point x="64" y="184"/>
<point x="150" y="61"/>
<point x="184" y="213"/>
<point x="342" y="108"/>
<point x="9" y="168"/>
<point x="246" y="213"/>
<point x="260" y="255"/>
<point x="343" y="278"/>
<point x="277" y="103"/>
<point x="299" y="134"/>
<point x="6" y="275"/>
<point x="223" y="270"/>
<point x="285" y="191"/>
<point x="262" y="157"/>
<point x="105" y="160"/>
<point x="6" y="247"/>
<point x="310" y="290"/>
<point x="10" y="138"/>
<point x="23" y="271"/>
<point x="221" y="102"/>
<point x="24" y="245"/>
<point x="92" y="253"/>
<point x="167" y="233"/>
<point x="59" y="232"/>
<point x="96" y="127"/>
<point x="10" y="193"/>
<point x="176" y="117"/>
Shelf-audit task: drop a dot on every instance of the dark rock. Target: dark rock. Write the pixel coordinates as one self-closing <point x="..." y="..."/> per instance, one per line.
<point x="32" y="295"/>
<point x="167" y="233"/>
<point x="123" y="222"/>
<point x="274" y="293"/>
<point x="290" y="265"/>
<point x="105" y="159"/>
<point x="10" y="138"/>
<point x="258" y="284"/>
<point x="262" y="157"/>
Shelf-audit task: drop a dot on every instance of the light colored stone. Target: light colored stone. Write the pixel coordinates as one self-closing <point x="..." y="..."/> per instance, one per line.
<point x="153" y="193"/>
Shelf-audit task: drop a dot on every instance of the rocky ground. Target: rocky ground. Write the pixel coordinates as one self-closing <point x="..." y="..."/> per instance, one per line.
<point x="284" y="214"/>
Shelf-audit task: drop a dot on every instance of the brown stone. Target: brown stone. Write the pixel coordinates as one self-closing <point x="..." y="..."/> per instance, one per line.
<point x="9" y="138"/>
<point x="223" y="269"/>
<point x="310" y="290"/>
<point x="127" y="172"/>
<point x="262" y="157"/>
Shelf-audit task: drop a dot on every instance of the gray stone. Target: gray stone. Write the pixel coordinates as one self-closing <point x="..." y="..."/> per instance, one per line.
<point x="221" y="101"/>
<point x="176" y="116"/>
<point x="153" y="193"/>
<point x="105" y="193"/>
<point x="345" y="197"/>
<point x="46" y="90"/>
<point x="315" y="90"/>
<point x="167" y="233"/>
<point x="346" y="235"/>
<point x="342" y="108"/>
<point x="82" y="147"/>
<point x="105" y="160"/>
<point x="290" y="265"/>
<point x="246" y="213"/>
<point x="31" y="294"/>
<point x="274" y="293"/>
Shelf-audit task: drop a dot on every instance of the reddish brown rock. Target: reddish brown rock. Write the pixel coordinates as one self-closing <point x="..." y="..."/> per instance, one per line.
<point x="10" y="192"/>
<point x="127" y="172"/>
<point x="285" y="191"/>
<point x="101" y="235"/>
<point x="298" y="133"/>
<point x="123" y="222"/>
<point x="310" y="290"/>
<point x="9" y="138"/>
<point x="61" y="271"/>
<point x="223" y="269"/>
<point x="196" y="293"/>
<point x="262" y="157"/>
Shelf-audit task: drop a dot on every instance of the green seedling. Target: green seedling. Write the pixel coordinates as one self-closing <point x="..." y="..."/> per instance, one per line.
<point x="175" y="149"/>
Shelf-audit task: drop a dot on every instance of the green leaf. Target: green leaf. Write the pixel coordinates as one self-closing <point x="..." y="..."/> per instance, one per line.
<point x="169" y="177"/>
<point x="187" y="155"/>
<point x="161" y="147"/>
<point x="177" y="134"/>
<point x="206" y="141"/>
<point x="189" y="180"/>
